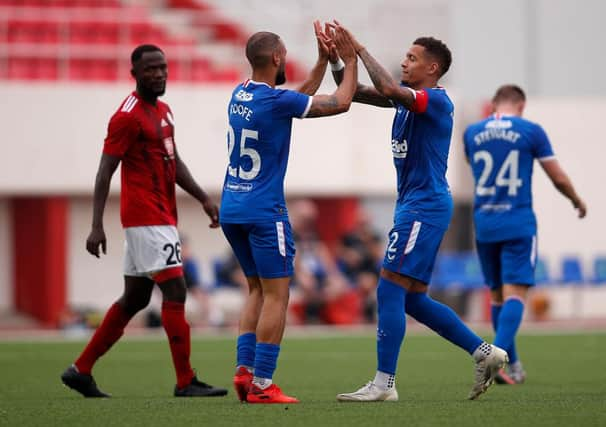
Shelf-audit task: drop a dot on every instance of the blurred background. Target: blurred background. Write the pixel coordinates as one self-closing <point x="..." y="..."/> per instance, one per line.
<point x="64" y="69"/>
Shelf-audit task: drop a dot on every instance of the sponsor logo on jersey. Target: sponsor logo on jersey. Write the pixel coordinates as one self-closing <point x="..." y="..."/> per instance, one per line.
<point x="244" y="96"/>
<point x="399" y="149"/>
<point x="239" y="187"/>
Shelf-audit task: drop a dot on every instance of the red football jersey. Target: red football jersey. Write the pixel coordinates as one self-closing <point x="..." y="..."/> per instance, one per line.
<point x="142" y="135"/>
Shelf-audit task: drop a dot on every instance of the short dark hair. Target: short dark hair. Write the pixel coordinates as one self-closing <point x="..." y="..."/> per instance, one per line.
<point x="438" y="50"/>
<point x="259" y="48"/>
<point x="141" y="49"/>
<point x="509" y="93"/>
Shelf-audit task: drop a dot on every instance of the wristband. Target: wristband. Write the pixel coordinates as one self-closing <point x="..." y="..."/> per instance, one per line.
<point x="337" y="66"/>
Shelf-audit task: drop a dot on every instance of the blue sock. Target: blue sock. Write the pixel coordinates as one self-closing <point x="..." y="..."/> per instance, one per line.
<point x="391" y="325"/>
<point x="509" y="322"/>
<point x="495" y="310"/>
<point x="266" y="358"/>
<point x="246" y="349"/>
<point x="443" y="320"/>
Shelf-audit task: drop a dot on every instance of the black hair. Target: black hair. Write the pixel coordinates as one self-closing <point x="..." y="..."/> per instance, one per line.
<point x="260" y="47"/>
<point x="509" y="93"/>
<point x="141" y="49"/>
<point x="438" y="50"/>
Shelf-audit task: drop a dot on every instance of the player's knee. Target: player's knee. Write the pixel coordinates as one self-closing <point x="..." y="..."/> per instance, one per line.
<point x="173" y="290"/>
<point x="133" y="303"/>
<point x="390" y="296"/>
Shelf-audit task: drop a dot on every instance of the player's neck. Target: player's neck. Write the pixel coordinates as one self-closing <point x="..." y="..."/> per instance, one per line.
<point x="507" y="111"/>
<point x="263" y="76"/>
<point x="150" y="98"/>
<point x="423" y="84"/>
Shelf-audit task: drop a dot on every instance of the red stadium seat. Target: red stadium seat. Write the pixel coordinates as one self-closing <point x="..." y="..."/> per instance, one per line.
<point x="91" y="32"/>
<point x="93" y="69"/>
<point x="22" y="68"/>
<point x="33" y="32"/>
<point x="71" y="26"/>
<point x="201" y="70"/>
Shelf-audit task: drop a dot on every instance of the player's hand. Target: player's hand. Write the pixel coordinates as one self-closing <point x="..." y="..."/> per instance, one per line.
<point x="356" y="44"/>
<point x="212" y="211"/>
<point x="333" y="54"/>
<point x="323" y="41"/>
<point x="96" y="238"/>
<point x="580" y="206"/>
<point x="345" y="46"/>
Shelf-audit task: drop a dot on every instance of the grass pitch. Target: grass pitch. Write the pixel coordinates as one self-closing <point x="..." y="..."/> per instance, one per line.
<point x="566" y="385"/>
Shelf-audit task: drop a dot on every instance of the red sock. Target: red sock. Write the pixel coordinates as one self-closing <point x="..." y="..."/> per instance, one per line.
<point x="177" y="331"/>
<point x="105" y="336"/>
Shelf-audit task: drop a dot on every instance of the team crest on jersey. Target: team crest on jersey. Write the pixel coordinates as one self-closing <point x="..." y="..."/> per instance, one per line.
<point x="244" y="96"/>
<point x="170" y="147"/>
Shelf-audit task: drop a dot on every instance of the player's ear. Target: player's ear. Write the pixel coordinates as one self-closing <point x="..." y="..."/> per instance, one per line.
<point x="132" y="73"/>
<point x="275" y="57"/>
<point x="434" y="68"/>
<point x="521" y="107"/>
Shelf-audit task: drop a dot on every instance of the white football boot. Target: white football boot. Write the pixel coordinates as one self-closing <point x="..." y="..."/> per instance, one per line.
<point x="486" y="370"/>
<point x="370" y="393"/>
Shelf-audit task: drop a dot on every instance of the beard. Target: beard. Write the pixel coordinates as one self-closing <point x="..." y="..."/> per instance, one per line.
<point x="280" y="77"/>
<point x="160" y="92"/>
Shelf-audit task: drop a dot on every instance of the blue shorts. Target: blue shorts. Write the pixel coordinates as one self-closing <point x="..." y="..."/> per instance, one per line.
<point x="509" y="261"/>
<point x="265" y="250"/>
<point x="412" y="250"/>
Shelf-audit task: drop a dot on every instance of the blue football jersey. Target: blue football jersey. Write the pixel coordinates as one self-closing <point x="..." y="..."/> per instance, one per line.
<point x="501" y="151"/>
<point x="420" y="140"/>
<point x="258" y="143"/>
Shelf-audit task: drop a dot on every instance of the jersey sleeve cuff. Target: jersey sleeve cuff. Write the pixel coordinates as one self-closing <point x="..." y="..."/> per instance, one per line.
<point x="306" y="111"/>
<point x="546" y="158"/>
<point x="113" y="152"/>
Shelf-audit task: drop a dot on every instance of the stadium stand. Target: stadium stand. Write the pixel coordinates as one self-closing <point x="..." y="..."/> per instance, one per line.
<point x="90" y="40"/>
<point x="599" y="270"/>
<point x="541" y="274"/>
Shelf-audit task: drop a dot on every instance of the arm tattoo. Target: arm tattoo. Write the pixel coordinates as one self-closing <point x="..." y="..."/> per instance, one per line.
<point x="380" y="78"/>
<point x="384" y="82"/>
<point x="371" y="96"/>
<point x="323" y="105"/>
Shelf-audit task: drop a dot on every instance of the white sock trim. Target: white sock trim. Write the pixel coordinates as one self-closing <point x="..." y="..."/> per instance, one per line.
<point x="384" y="380"/>
<point x="262" y="383"/>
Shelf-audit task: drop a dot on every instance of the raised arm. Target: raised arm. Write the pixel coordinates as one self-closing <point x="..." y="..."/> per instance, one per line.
<point x="340" y="100"/>
<point x="562" y="182"/>
<point x="187" y="182"/>
<point x="96" y="238"/>
<point x="384" y="83"/>
<point x="364" y="94"/>
<point x="313" y="81"/>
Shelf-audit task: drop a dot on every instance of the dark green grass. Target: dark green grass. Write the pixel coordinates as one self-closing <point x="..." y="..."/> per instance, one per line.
<point x="566" y="385"/>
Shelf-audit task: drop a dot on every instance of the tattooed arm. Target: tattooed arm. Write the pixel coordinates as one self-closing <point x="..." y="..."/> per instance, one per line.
<point x="364" y="94"/>
<point x="384" y="83"/>
<point x="386" y="89"/>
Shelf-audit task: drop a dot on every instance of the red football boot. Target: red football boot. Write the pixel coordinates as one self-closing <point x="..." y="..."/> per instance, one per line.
<point x="242" y="381"/>
<point x="271" y="394"/>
